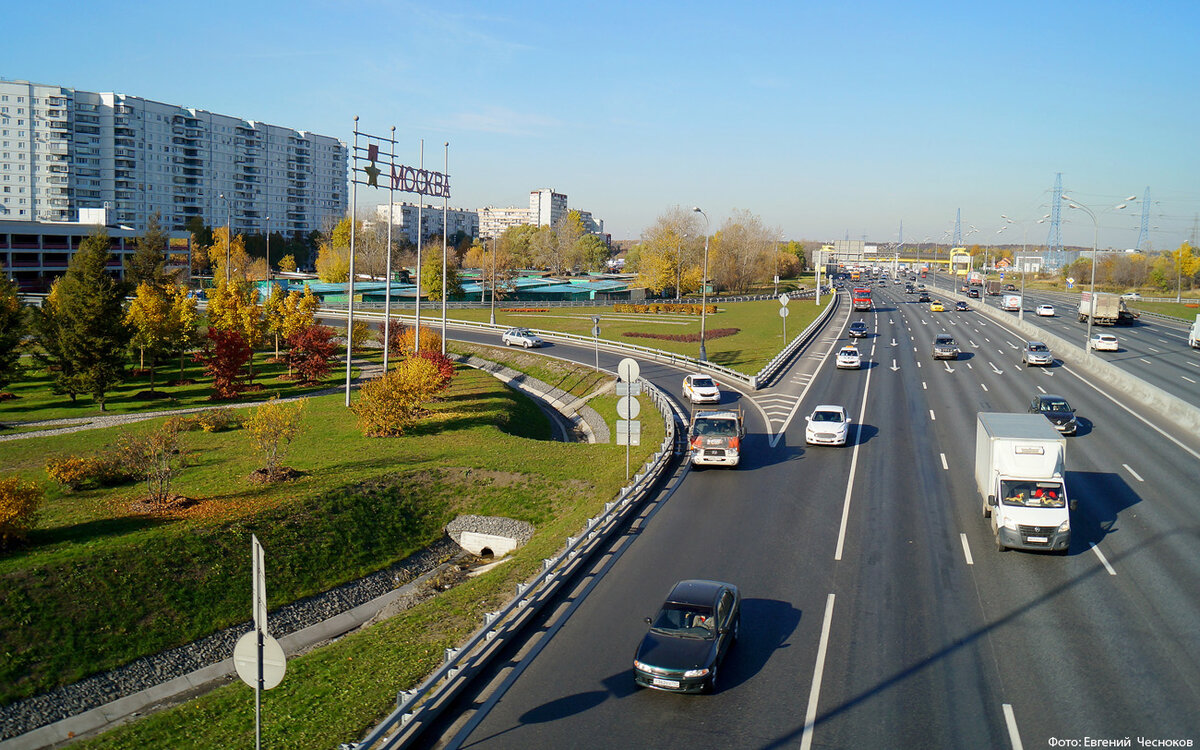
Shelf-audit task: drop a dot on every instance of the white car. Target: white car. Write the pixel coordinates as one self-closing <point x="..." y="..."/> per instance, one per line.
<point x="827" y="425"/>
<point x="1103" y="342"/>
<point x="701" y="389"/>
<point x="848" y="357"/>
<point x="521" y="337"/>
<point x="1046" y="311"/>
<point x="1131" y="295"/>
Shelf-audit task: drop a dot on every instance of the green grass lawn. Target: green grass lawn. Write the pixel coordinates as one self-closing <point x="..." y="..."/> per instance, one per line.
<point x="1187" y="310"/>
<point x="101" y="583"/>
<point x="759" y="334"/>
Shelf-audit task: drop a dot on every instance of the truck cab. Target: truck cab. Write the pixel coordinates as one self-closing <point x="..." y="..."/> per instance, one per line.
<point x="715" y="437"/>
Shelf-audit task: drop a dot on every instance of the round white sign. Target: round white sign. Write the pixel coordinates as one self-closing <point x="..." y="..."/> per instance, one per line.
<point x="628" y="407"/>
<point x="783" y="312"/>
<point x="245" y="660"/>
<point x="628" y="370"/>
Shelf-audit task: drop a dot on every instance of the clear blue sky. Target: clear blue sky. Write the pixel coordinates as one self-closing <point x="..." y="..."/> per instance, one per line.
<point x="822" y="118"/>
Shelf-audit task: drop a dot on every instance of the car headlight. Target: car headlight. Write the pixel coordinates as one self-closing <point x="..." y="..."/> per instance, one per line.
<point x="1064" y="526"/>
<point x="639" y="665"/>
<point x="696" y="672"/>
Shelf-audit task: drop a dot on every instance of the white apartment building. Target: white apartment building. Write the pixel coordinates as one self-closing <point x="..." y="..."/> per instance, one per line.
<point x="405" y="221"/>
<point x="493" y="221"/>
<point x="62" y="149"/>
<point x="546" y="207"/>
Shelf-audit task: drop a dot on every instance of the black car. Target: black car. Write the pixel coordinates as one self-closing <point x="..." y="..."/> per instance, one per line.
<point x="961" y="306"/>
<point x="1057" y="410"/>
<point x="858" y="329"/>
<point x="924" y="297"/>
<point x="689" y="637"/>
<point x="973" y="293"/>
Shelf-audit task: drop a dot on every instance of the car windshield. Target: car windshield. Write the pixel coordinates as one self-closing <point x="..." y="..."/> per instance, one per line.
<point x="685" y="621"/>
<point x="849" y="352"/>
<point x="827" y="416"/>
<point x="1033" y="494"/>
<point x="716" y="427"/>
<point x="947" y="340"/>
<point x="702" y="383"/>
<point x="1059" y="405"/>
<point x="1038" y="348"/>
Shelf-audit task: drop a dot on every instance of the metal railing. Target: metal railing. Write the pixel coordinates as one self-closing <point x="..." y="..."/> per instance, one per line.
<point x="416" y="708"/>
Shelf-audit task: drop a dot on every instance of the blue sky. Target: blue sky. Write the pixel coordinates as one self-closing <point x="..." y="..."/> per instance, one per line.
<point x="825" y="119"/>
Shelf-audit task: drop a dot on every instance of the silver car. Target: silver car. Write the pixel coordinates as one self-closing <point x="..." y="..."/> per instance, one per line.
<point x="1036" y="353"/>
<point x="521" y="337"/>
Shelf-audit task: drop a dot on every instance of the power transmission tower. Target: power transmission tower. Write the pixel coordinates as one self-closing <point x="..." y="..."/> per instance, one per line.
<point x="1054" y="248"/>
<point x="1145" y="221"/>
<point x="958" y="229"/>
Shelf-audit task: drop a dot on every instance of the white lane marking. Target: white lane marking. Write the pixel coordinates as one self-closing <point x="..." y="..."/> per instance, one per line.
<point x="1185" y="377"/>
<point x="918" y="364"/>
<point x="923" y="386"/>
<point x="1011" y="722"/>
<point x="1193" y="364"/>
<point x="945" y="466"/>
<point x="1164" y="341"/>
<point x="814" y="693"/>
<point x="1103" y="559"/>
<point x="984" y="387"/>
<point x="1145" y="360"/>
<point x="966" y="549"/>
<point x="932" y="418"/>
<point x="969" y="366"/>
<point x="1043" y="390"/>
<point x="837" y="555"/>
<point x="1151" y="348"/>
<point x="1134" y="473"/>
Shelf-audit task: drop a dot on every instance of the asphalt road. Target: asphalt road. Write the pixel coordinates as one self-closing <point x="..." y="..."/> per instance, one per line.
<point x="1153" y="349"/>
<point x="877" y="611"/>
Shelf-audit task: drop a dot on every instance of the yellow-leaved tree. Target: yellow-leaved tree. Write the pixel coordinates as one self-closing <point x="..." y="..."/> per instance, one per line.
<point x="233" y="306"/>
<point x="287" y="263"/>
<point x="239" y="261"/>
<point x="333" y="254"/>
<point x="149" y="315"/>
<point x="184" y="323"/>
<point x="271" y="428"/>
<point x="391" y="403"/>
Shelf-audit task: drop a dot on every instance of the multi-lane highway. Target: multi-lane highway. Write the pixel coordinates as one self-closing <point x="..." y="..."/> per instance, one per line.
<point x="877" y="611"/>
<point x="1154" y="349"/>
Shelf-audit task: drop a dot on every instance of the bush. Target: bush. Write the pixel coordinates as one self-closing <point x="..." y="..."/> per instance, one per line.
<point x="156" y="457"/>
<point x="362" y="334"/>
<point x="215" y="420"/>
<point x="444" y="365"/>
<point x="431" y="341"/>
<point x="687" y="338"/>
<point x="309" y="353"/>
<point x="272" y="427"/>
<point x="223" y="357"/>
<point x="76" y="472"/>
<point x="663" y="307"/>
<point x="391" y="403"/>
<point x="18" y="509"/>
<point x="396" y="331"/>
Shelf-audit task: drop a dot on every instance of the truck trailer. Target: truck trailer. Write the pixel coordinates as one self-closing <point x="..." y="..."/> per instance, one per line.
<point x="1010" y="302"/>
<point x="1020" y="467"/>
<point x="1105" y="309"/>
<point x="1194" y="334"/>
<point x="993" y="287"/>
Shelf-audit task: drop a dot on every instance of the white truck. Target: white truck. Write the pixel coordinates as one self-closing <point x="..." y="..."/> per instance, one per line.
<point x="715" y="437"/>
<point x="1105" y="309"/>
<point x="1194" y="334"/>
<point x="1010" y="302"/>
<point x="1020" y="463"/>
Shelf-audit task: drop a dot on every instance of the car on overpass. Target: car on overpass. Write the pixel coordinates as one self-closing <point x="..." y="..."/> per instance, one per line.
<point x="689" y="637"/>
<point x="701" y="389"/>
<point x="848" y="357"/>
<point x="827" y="425"/>
<point x="1036" y="353"/>
<point x="1057" y="410"/>
<point x="961" y="306"/>
<point x="858" y="329"/>
<point x="937" y="306"/>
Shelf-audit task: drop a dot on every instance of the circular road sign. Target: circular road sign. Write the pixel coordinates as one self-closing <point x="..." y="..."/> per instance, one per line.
<point x="628" y="407"/>
<point x="783" y="312"/>
<point x="628" y="370"/>
<point x="596" y="331"/>
<point x="245" y="660"/>
<point x="784" y="299"/>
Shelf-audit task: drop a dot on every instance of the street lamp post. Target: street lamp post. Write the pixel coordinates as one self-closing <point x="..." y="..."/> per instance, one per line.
<point x="228" y="234"/>
<point x="703" y="286"/>
<point x="679" y="265"/>
<point x="268" y="248"/>
<point x="1071" y="203"/>
<point x="1024" y="237"/>
<point x="493" y="318"/>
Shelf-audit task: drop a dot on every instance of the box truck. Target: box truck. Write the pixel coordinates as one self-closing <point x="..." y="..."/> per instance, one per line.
<point x="1106" y="309"/>
<point x="1194" y="334"/>
<point x="715" y="436"/>
<point x="1010" y="302"/>
<point x="1020" y="465"/>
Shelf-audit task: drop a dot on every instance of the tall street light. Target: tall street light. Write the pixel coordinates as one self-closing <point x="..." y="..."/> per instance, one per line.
<point x="228" y="234"/>
<point x="1071" y="203"/>
<point x="679" y="264"/>
<point x="703" y="286"/>
<point x="1024" y="236"/>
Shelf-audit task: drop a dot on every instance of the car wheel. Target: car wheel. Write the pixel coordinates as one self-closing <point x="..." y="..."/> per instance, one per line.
<point x="987" y="510"/>
<point x="999" y="543"/>
<point x="712" y="680"/>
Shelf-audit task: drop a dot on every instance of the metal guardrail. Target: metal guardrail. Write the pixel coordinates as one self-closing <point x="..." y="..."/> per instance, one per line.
<point x="765" y="375"/>
<point x="416" y="708"/>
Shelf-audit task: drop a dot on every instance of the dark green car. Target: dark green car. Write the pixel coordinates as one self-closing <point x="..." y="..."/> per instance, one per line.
<point x="689" y="637"/>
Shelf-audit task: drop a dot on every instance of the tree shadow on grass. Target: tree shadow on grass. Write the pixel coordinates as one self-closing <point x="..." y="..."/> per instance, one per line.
<point x="726" y="359"/>
<point x="80" y="533"/>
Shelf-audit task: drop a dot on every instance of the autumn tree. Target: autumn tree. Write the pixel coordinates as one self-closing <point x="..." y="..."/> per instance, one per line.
<point x="234" y="306"/>
<point x="241" y="266"/>
<point x="333" y="254"/>
<point x="517" y="243"/>
<point x="91" y="329"/>
<point x="272" y="427"/>
<point x="287" y="263"/>
<point x="223" y="357"/>
<point x="12" y="330"/>
<point x="149" y="318"/>
<point x="741" y="254"/>
<point x="309" y="353"/>
<point x="183" y="323"/>
<point x="273" y="313"/>
<point x="148" y="262"/>
<point x="670" y="255"/>
<point x="392" y="403"/>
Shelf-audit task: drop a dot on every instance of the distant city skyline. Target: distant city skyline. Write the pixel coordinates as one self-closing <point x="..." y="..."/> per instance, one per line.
<point x="825" y="121"/>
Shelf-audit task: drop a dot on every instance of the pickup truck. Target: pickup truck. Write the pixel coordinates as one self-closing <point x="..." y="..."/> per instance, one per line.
<point x="715" y="436"/>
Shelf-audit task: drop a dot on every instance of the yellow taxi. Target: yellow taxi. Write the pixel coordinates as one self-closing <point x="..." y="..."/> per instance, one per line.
<point x="937" y="306"/>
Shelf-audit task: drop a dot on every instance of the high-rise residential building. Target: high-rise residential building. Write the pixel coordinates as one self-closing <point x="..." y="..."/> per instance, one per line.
<point x="493" y="221"/>
<point x="547" y="207"/>
<point x="62" y="150"/>
<point x="460" y="220"/>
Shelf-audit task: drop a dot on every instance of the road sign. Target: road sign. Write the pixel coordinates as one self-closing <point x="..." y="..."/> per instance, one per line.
<point x="1070" y="279"/>
<point x="783" y="312"/>
<point x="595" y="330"/>
<point x="596" y="319"/>
<point x="258" y="583"/>
<point x="629" y="389"/>
<point x="245" y="660"/>
<point x="628" y="370"/>
<point x="628" y="407"/>
<point x="629" y="432"/>
<point x="783" y="298"/>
